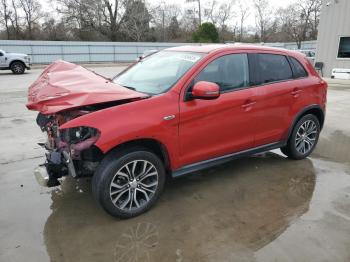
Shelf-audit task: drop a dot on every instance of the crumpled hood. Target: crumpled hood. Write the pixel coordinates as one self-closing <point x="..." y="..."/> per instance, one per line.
<point x="63" y="85"/>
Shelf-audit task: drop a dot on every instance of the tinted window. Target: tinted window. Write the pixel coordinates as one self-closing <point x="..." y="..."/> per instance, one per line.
<point x="229" y="72"/>
<point x="1" y="54"/>
<point x="344" y="47"/>
<point x="298" y="69"/>
<point x="273" y="68"/>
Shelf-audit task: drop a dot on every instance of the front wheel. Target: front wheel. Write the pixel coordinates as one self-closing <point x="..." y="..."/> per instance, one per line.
<point x="304" y="138"/>
<point x="17" y="68"/>
<point x="128" y="183"/>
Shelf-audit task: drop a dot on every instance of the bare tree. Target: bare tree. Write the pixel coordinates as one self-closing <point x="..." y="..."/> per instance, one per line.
<point x="135" y="21"/>
<point x="225" y="13"/>
<point x="209" y="11"/>
<point x="199" y="9"/>
<point x="300" y="20"/>
<point x="111" y="14"/>
<point x="5" y="16"/>
<point x="243" y="10"/>
<point x="165" y="16"/>
<point x="15" y="19"/>
<point x="262" y="17"/>
<point x="32" y="13"/>
<point x="91" y="17"/>
<point x="219" y="14"/>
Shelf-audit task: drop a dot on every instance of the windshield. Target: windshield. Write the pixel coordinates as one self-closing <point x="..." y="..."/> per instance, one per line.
<point x="157" y="73"/>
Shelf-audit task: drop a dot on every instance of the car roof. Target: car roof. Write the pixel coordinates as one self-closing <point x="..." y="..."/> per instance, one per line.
<point x="225" y="47"/>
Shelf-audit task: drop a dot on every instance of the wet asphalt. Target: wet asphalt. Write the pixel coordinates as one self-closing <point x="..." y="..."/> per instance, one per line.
<point x="259" y="208"/>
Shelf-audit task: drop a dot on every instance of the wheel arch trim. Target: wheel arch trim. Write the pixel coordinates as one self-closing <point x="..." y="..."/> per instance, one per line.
<point x="17" y="60"/>
<point x="303" y="112"/>
<point x="152" y="144"/>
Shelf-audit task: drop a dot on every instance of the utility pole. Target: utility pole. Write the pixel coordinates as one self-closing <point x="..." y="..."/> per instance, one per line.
<point x="199" y="12"/>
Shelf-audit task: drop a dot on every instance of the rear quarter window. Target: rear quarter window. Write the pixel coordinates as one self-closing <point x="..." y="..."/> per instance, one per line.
<point x="273" y="68"/>
<point x="298" y="69"/>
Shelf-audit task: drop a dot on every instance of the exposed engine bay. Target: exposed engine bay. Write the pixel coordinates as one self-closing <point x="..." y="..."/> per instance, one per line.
<point x="69" y="151"/>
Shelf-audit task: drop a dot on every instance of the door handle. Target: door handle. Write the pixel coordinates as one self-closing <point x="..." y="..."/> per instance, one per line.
<point x="248" y="103"/>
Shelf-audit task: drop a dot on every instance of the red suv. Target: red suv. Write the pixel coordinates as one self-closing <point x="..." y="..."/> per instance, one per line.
<point x="174" y="112"/>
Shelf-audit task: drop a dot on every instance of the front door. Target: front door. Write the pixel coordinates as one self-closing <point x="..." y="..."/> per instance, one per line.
<point x="213" y="128"/>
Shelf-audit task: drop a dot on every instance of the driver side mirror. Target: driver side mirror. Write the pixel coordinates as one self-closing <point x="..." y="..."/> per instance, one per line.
<point x="205" y="90"/>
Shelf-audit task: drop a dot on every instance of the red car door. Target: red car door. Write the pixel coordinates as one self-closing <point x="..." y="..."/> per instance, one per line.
<point x="212" y="128"/>
<point x="276" y="91"/>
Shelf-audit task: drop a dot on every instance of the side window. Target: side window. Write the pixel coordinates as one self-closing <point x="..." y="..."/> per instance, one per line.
<point x="1" y="54"/>
<point x="229" y="72"/>
<point x="273" y="68"/>
<point x="298" y="70"/>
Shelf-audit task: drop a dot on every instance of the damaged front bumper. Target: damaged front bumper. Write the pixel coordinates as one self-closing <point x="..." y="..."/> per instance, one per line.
<point x="70" y="151"/>
<point x="57" y="164"/>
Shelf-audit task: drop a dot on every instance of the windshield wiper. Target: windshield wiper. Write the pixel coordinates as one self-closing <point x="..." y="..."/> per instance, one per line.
<point x="129" y="87"/>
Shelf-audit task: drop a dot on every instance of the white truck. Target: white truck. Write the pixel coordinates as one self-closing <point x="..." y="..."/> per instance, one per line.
<point x="15" y="62"/>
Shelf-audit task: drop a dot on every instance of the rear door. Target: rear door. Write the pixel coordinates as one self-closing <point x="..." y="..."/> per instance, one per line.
<point x="212" y="128"/>
<point x="276" y="91"/>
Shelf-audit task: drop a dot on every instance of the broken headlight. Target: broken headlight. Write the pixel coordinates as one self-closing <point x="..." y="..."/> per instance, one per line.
<point x="78" y="134"/>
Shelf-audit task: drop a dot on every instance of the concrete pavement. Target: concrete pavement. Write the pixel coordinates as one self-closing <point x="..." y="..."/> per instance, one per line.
<point x="261" y="208"/>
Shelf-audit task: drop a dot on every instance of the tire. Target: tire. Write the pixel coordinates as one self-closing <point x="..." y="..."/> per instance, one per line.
<point x="17" y="68"/>
<point x="117" y="181"/>
<point x="303" y="139"/>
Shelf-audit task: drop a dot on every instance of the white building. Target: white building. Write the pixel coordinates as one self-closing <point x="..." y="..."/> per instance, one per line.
<point x="333" y="41"/>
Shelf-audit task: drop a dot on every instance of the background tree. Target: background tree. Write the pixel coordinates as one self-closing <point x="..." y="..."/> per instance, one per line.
<point x="219" y="14"/>
<point x="135" y="21"/>
<point x="165" y="19"/>
<point x="5" y="16"/>
<point x="206" y="33"/>
<point x="299" y="21"/>
<point x="199" y="9"/>
<point x="157" y="20"/>
<point x="262" y="18"/>
<point x="243" y="13"/>
<point x="15" y="19"/>
<point x="32" y="12"/>
<point x="174" y="28"/>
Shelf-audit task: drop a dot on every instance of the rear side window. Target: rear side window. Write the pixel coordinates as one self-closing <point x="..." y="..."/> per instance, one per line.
<point x="298" y="70"/>
<point x="229" y="72"/>
<point x="272" y="68"/>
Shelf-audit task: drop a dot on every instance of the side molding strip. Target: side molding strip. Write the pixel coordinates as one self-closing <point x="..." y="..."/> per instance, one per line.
<point x="223" y="159"/>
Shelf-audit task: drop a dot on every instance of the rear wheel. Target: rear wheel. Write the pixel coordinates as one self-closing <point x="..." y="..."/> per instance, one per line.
<point x="304" y="138"/>
<point x="17" y="68"/>
<point x="128" y="183"/>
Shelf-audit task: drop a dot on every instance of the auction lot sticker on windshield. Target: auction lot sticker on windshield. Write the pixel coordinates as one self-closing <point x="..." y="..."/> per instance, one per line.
<point x="188" y="57"/>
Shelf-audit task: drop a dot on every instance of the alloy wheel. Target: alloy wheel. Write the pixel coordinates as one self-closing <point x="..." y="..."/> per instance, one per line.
<point x="306" y="137"/>
<point x="17" y="68"/>
<point x="134" y="184"/>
